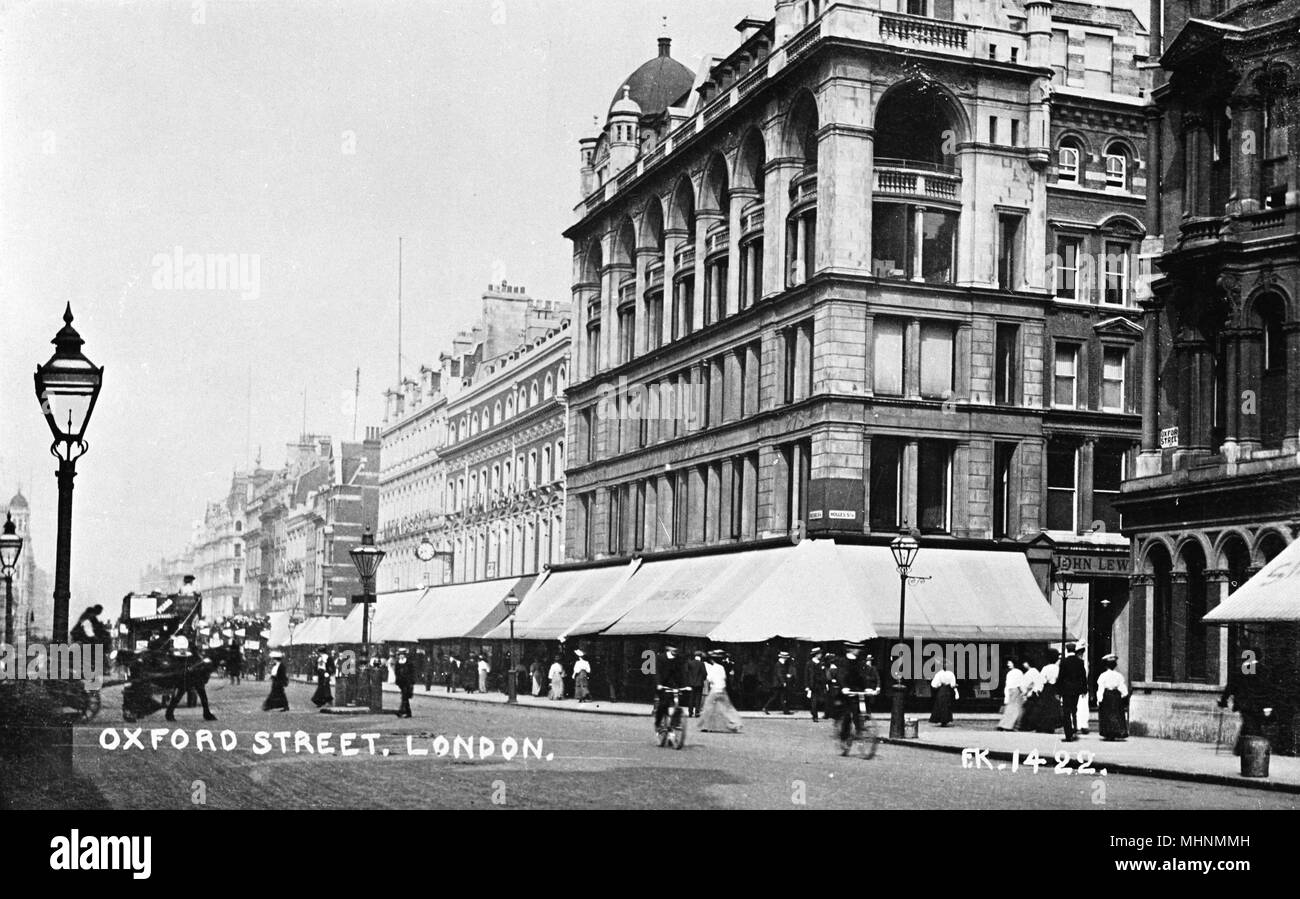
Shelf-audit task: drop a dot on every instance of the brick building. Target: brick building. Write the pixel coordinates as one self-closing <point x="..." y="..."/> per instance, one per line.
<point x="1217" y="488"/>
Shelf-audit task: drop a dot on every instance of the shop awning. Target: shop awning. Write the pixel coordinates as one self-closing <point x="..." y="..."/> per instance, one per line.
<point x="499" y="612"/>
<point x="972" y="595"/>
<point x="803" y="593"/>
<point x="1272" y="595"/>
<point x="562" y="600"/>
<point x="394" y="613"/>
<point x="454" y="611"/>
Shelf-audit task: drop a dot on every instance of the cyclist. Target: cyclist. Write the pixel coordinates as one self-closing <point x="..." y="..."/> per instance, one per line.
<point x="669" y="673"/>
<point x="854" y="678"/>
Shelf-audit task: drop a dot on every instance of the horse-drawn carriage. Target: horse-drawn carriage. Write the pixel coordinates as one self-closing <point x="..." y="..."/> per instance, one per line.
<point x="158" y="649"/>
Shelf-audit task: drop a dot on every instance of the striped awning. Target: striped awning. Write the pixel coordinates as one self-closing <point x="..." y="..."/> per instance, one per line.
<point x="1272" y="595"/>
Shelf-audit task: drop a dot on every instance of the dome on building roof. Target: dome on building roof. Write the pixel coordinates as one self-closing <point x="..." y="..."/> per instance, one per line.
<point x="657" y="83"/>
<point x="18" y="502"/>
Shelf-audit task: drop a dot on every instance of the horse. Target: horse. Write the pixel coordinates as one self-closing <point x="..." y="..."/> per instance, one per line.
<point x="153" y="670"/>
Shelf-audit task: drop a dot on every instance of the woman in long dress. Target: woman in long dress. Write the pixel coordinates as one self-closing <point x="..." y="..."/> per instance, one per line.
<point x="536" y="671"/>
<point x="1112" y="701"/>
<point x="1048" y="717"/>
<point x="581" y="677"/>
<point x="718" y="714"/>
<point x="556" y="675"/>
<point x="1031" y="686"/>
<point x="324" y="668"/>
<point x="1013" y="696"/>
<point x="276" y="700"/>
<point x="945" y="692"/>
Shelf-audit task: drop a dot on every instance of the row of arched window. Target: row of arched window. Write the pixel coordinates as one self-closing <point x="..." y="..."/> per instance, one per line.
<point x="533" y="469"/>
<point x="517" y="401"/>
<point x="1072" y="161"/>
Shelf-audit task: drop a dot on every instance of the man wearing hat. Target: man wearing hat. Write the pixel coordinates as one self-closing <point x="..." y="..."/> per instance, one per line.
<point x="853" y="677"/>
<point x="782" y="678"/>
<point x="1072" y="681"/>
<point x="404" y="676"/>
<point x="814" y="681"/>
<point x="276" y="700"/>
<point x="696" y="676"/>
<point x="668" y="674"/>
<point x="581" y="677"/>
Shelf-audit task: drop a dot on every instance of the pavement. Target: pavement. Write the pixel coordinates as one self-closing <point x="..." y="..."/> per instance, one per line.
<point x="1144" y="756"/>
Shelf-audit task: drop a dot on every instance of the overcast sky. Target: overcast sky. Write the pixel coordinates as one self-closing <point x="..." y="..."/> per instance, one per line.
<point x="307" y="136"/>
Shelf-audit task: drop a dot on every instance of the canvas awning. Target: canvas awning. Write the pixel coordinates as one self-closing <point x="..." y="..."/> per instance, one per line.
<point x="500" y="611"/>
<point x="970" y="595"/>
<point x="394" y="613"/>
<point x="279" y="630"/>
<point x="456" y="610"/>
<point x="561" y="600"/>
<point x="1272" y="595"/>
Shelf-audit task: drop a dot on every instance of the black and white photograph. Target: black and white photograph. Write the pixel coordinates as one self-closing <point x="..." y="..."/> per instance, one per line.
<point x="651" y="405"/>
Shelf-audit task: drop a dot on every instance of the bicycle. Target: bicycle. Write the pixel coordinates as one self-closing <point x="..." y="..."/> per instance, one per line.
<point x="855" y="724"/>
<point x="671" y="726"/>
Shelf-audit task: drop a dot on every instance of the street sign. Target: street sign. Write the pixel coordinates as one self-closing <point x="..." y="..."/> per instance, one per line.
<point x="362" y="598"/>
<point x="1168" y="438"/>
<point x="1072" y="563"/>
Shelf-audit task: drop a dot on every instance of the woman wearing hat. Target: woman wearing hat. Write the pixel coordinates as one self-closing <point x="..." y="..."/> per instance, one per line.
<point x="324" y="670"/>
<point x="718" y="714"/>
<point x="556" y="675"/>
<point x="581" y="677"/>
<point x="276" y="700"/>
<point x="944" y="686"/>
<point x="1112" y="701"/>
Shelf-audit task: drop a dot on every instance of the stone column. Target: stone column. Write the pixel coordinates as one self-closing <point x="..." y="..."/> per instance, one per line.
<point x="664" y="502"/>
<point x="918" y="235"/>
<point x="703" y="222"/>
<point x="869" y="383"/>
<point x="608" y="315"/>
<point x="959" y="514"/>
<point x="911" y="458"/>
<point x="779" y="173"/>
<point x="644" y="256"/>
<point x="673" y="238"/>
<point x="1178" y="625"/>
<point x="797" y="500"/>
<point x="912" y="360"/>
<point x="619" y="273"/>
<point x="1248" y="113"/>
<point x="962" y="381"/>
<point x="1087" y="452"/>
<point x="696" y="496"/>
<point x="712" y="504"/>
<point x="749" y="499"/>
<point x="1217" y="588"/>
<point x="733" y="385"/>
<point x="584" y="294"/>
<point x="726" y="498"/>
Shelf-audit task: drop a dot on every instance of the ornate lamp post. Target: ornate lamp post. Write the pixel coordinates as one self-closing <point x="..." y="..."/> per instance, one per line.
<point x="11" y="547"/>
<point x="904" y="548"/>
<point x="512" y="603"/>
<point x="67" y="386"/>
<point x="366" y="557"/>
<point x="1064" y="584"/>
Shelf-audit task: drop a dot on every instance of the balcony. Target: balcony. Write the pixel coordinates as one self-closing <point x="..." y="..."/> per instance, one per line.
<point x="654" y="273"/>
<point x="923" y="32"/>
<point x="920" y="180"/>
<point x="803" y="189"/>
<point x="685" y="257"/>
<point x="718" y="239"/>
<point x="752" y="219"/>
<point x="1200" y="229"/>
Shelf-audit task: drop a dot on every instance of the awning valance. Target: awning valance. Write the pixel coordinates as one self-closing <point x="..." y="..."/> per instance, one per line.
<point x="1272" y="595"/>
<point x="971" y="595"/>
<point x="455" y="611"/>
<point x="561" y="600"/>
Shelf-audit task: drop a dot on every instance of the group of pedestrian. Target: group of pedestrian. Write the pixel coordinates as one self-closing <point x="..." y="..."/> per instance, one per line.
<point x="704" y="678"/>
<point x="1056" y="696"/>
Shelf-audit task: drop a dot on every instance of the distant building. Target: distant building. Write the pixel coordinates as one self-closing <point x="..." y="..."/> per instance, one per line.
<point x="33" y="598"/>
<point x="473" y="450"/>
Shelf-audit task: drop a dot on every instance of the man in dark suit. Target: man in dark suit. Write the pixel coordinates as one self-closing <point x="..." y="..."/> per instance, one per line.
<point x="669" y="672"/>
<point x="814" y="681"/>
<point x="404" y="675"/>
<point x="782" y="680"/>
<point x="696" y="675"/>
<point x="1248" y="686"/>
<point x="1071" y="683"/>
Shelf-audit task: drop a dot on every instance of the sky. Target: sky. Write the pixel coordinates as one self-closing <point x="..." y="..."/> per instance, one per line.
<point x="303" y="138"/>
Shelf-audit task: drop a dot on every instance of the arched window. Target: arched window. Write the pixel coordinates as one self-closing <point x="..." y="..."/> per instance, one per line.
<point x="1116" y="168"/>
<point x="548" y="387"/>
<point x="532" y="468"/>
<point x="496" y="478"/>
<point x="496" y="414"/>
<point x="560" y="381"/>
<point x="520" y="473"/>
<point x="510" y="405"/>
<point x="523" y="399"/>
<point x="1069" y="158"/>
<point x="559" y="456"/>
<point x="532" y="394"/>
<point x="548" y="474"/>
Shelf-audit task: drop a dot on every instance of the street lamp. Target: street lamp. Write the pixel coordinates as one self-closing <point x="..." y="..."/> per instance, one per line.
<point x="904" y="548"/>
<point x="1063" y="584"/>
<point x="11" y="547"/>
<point x="512" y="603"/>
<point x="67" y="387"/>
<point x="366" y="557"/>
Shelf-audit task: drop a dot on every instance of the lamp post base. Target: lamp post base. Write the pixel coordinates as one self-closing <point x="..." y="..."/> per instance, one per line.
<point x="897" y="722"/>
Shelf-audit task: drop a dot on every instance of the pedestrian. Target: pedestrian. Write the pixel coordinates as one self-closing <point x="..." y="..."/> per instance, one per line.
<point x="556" y="675"/>
<point x="1082" y="713"/>
<point x="718" y="715"/>
<point x="1049" y="713"/>
<point x="276" y="700"/>
<point x="235" y="663"/>
<point x="1032" y="686"/>
<point x="430" y="669"/>
<point x="782" y="680"/>
<point x="1013" y="696"/>
<point x="1073" y="683"/>
<point x="1112" y="701"/>
<point x="483" y="669"/>
<point x="581" y="677"/>
<point x="324" y="669"/>
<point x="404" y="675"/>
<point x="537" y="671"/>
<point x="814" y="681"/>
<point x="697" y="677"/>
<point x="870" y="681"/>
<point x="834" y="677"/>
<point x="1248" y="688"/>
<point x="469" y="673"/>
<point x="452" y="672"/>
<point x="944" y="685"/>
<point x="261" y="666"/>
